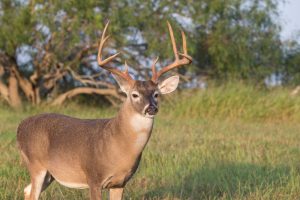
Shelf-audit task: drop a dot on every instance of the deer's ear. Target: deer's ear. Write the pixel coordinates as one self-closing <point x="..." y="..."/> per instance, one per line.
<point x="124" y="85"/>
<point x="168" y="85"/>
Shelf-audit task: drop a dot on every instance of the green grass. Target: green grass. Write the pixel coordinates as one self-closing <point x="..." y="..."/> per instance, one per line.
<point x="230" y="142"/>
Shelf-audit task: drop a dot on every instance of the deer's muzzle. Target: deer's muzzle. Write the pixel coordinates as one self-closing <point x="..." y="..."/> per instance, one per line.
<point x="151" y="109"/>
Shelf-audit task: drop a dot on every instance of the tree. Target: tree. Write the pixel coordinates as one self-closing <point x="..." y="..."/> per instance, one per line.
<point x="54" y="42"/>
<point x="236" y="38"/>
<point x="290" y="70"/>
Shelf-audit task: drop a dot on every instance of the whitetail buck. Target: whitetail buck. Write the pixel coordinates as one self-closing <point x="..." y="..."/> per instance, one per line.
<point x="96" y="153"/>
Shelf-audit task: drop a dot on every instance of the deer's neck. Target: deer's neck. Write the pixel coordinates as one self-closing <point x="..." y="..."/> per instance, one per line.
<point x="135" y="127"/>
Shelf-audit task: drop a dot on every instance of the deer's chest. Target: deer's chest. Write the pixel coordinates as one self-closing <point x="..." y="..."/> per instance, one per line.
<point x="119" y="176"/>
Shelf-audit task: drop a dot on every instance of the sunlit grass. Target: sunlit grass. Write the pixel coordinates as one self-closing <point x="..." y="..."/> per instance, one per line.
<point x="231" y="142"/>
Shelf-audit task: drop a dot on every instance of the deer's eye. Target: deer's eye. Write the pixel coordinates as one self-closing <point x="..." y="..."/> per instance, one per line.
<point x="155" y="95"/>
<point x="135" y="95"/>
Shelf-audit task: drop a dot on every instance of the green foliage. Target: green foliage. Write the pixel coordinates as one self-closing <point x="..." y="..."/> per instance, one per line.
<point x="291" y="65"/>
<point x="237" y="38"/>
<point x="17" y="24"/>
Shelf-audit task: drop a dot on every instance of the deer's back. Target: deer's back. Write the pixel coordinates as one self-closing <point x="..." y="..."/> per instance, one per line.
<point x="36" y="134"/>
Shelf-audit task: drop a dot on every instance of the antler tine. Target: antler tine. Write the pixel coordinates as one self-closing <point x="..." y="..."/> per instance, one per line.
<point x="186" y="59"/>
<point x="126" y="70"/>
<point x="154" y="74"/>
<point x="183" y="42"/>
<point x="184" y="47"/>
<point x="173" y="40"/>
<point x="102" y="42"/>
<point x="102" y="63"/>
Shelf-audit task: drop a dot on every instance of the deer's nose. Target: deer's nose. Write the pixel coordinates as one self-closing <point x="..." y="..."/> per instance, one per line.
<point x="151" y="109"/>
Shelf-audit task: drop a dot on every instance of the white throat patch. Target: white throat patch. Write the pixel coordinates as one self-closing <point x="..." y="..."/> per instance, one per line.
<point x="140" y="123"/>
<point x="142" y="126"/>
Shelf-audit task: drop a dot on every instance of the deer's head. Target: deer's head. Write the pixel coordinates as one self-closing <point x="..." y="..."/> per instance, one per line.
<point x="143" y="95"/>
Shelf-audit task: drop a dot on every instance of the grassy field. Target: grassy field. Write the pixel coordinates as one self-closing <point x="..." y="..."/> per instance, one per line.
<point x="231" y="142"/>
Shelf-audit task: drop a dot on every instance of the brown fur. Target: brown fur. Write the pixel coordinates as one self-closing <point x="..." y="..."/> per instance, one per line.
<point x="99" y="153"/>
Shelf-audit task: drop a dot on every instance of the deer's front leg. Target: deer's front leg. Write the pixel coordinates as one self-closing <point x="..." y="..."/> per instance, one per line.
<point x="116" y="193"/>
<point x="95" y="192"/>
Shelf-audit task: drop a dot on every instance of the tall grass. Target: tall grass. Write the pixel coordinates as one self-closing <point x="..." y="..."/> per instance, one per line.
<point x="236" y="101"/>
<point x="228" y="142"/>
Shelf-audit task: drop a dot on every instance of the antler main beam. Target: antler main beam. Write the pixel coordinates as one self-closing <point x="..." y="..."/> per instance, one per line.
<point x="103" y="63"/>
<point x="180" y="58"/>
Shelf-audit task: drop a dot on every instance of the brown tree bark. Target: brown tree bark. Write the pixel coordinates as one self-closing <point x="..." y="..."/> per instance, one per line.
<point x="13" y="90"/>
<point x="15" y="81"/>
<point x="25" y="85"/>
<point x="4" y="92"/>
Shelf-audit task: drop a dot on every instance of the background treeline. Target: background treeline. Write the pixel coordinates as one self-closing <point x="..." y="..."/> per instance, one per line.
<point x="48" y="48"/>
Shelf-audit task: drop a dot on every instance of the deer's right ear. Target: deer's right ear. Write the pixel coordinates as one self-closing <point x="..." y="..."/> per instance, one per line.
<point x="124" y="85"/>
<point x="168" y="85"/>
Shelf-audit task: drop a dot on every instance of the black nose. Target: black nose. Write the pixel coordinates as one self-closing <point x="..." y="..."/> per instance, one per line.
<point x="151" y="110"/>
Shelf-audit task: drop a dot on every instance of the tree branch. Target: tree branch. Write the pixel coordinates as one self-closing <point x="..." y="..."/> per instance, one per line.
<point x="90" y="80"/>
<point x="83" y="90"/>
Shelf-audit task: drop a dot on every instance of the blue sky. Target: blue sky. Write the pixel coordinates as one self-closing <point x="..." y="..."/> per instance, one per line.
<point x="290" y="18"/>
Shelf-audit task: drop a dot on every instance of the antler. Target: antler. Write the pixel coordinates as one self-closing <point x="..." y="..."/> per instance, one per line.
<point x="102" y="63"/>
<point x="186" y="59"/>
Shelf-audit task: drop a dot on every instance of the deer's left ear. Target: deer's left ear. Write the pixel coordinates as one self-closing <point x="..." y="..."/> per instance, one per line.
<point x="168" y="85"/>
<point x="124" y="85"/>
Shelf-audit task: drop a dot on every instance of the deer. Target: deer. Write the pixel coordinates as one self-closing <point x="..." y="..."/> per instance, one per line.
<point x="97" y="154"/>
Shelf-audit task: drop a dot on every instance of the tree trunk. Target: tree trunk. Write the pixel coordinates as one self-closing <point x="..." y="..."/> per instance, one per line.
<point x="13" y="89"/>
<point x="3" y="88"/>
<point x="4" y="92"/>
<point x="26" y="86"/>
<point x="37" y="96"/>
